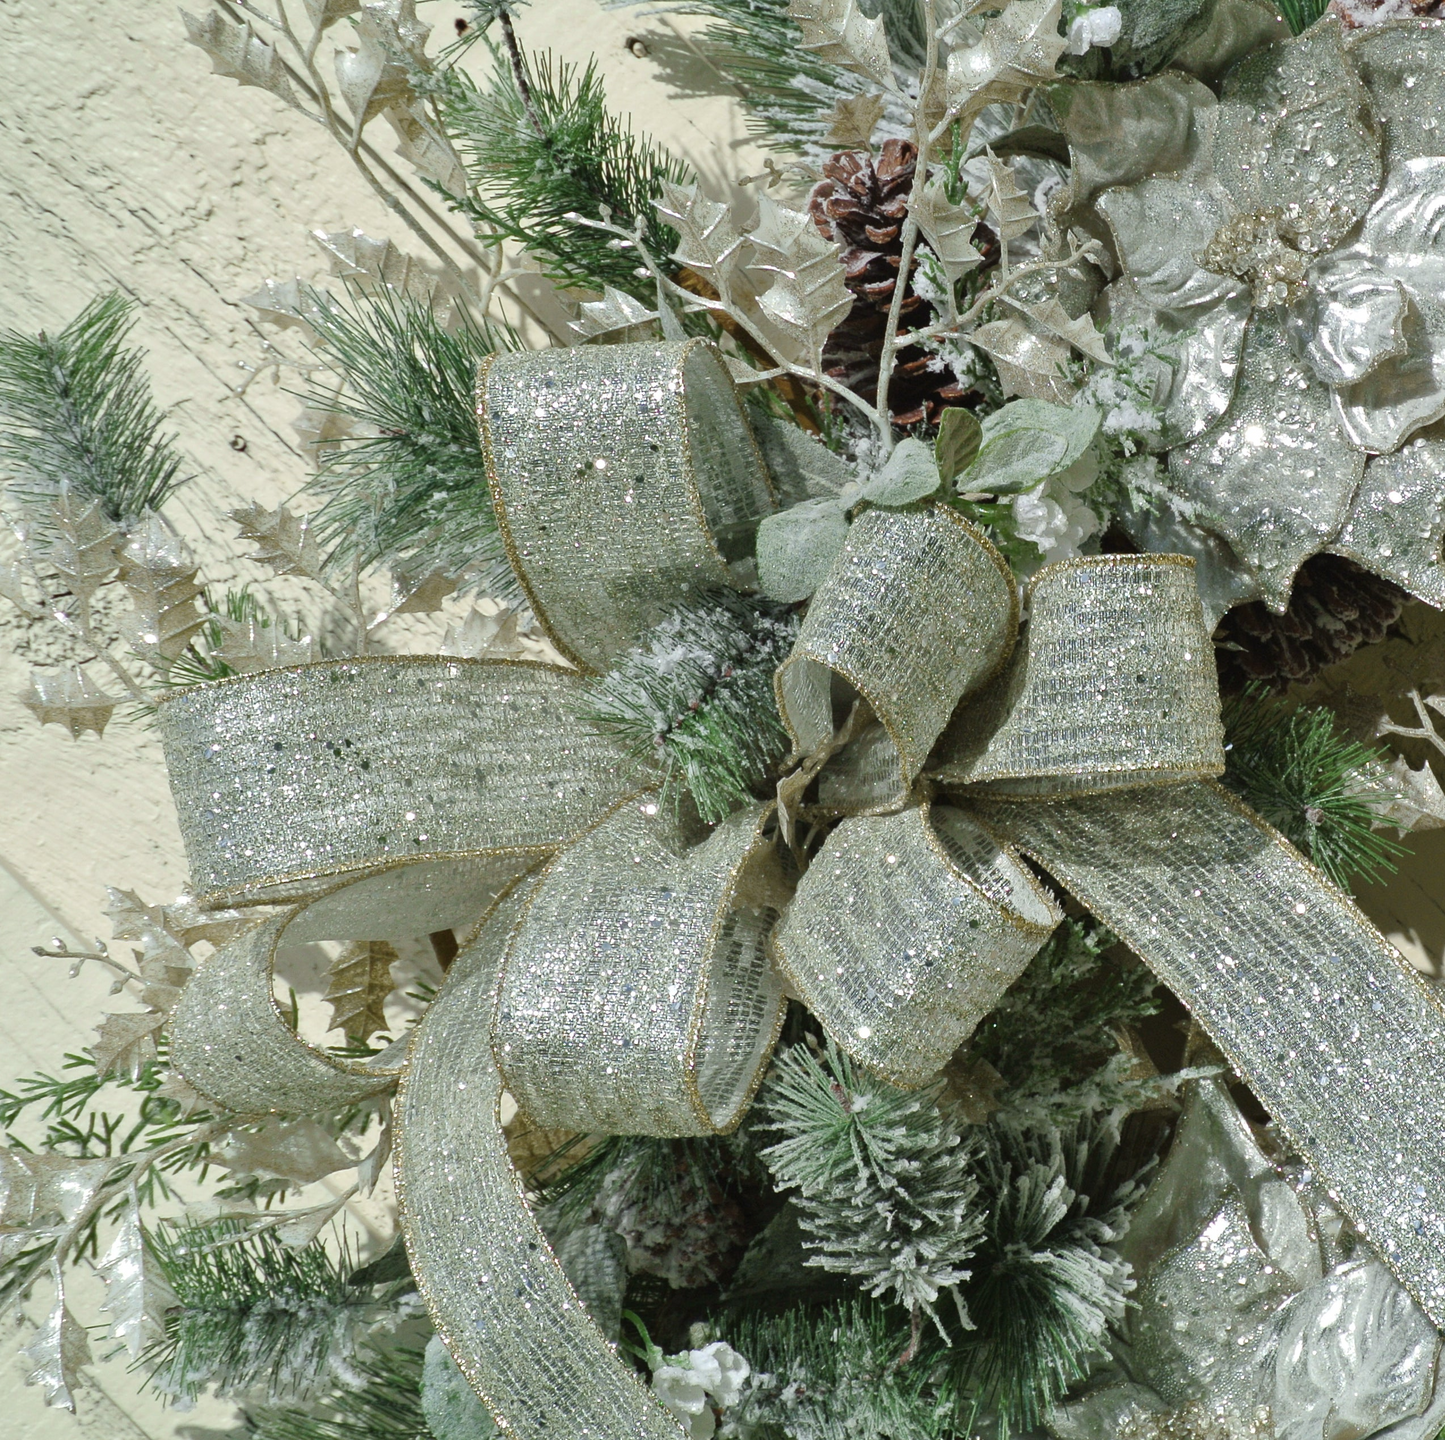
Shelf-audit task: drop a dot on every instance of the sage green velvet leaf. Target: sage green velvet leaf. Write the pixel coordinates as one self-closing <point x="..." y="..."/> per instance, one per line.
<point x="959" y="438"/>
<point x="910" y="474"/>
<point x="797" y="547"/>
<point x="802" y="467"/>
<point x="1027" y="441"/>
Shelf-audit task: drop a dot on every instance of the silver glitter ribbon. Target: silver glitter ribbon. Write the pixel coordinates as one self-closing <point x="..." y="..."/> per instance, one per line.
<point x="905" y="932"/>
<point x="231" y="1043"/>
<point x="1330" y="1026"/>
<point x="907" y="928"/>
<point x="492" y="1285"/>
<point x="637" y="997"/>
<point x="424" y="783"/>
<point x="600" y="455"/>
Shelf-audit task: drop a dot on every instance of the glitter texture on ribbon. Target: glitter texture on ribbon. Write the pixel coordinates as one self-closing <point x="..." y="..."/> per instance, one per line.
<point x="637" y="997"/>
<point x="905" y="931"/>
<point x="1323" y="1018"/>
<point x="433" y="780"/>
<point x="626" y="481"/>
<point x="1113" y="684"/>
<point x="230" y="1042"/>
<point x="493" y="1287"/>
<point x="918" y="610"/>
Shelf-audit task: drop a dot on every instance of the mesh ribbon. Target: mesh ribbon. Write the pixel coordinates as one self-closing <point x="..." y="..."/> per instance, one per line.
<point x="1333" y="1030"/>
<point x="625" y="479"/>
<point x="906" y="930"/>
<point x="917" y="611"/>
<point x="230" y="1042"/>
<point x="431" y="781"/>
<point x="637" y="997"/>
<point x="491" y="1283"/>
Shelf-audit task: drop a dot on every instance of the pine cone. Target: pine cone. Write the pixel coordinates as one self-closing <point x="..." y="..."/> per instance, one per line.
<point x="861" y="205"/>
<point x="1335" y="608"/>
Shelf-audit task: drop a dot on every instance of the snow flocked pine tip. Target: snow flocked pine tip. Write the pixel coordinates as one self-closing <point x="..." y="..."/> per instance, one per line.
<point x="884" y="1184"/>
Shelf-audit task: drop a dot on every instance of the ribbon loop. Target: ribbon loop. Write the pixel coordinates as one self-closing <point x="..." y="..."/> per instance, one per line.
<point x="637" y="997"/>
<point x="431" y="781"/>
<point x="493" y="1287"/>
<point x="918" y="610"/>
<point x="230" y="1042"/>
<point x="1112" y="685"/>
<point x="905" y="931"/>
<point x="625" y="478"/>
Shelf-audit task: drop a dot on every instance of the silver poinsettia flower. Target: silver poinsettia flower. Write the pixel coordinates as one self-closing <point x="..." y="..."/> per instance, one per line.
<point x="1281" y="244"/>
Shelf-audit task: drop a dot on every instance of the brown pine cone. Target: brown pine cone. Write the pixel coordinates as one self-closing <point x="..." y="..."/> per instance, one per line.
<point x="861" y="205"/>
<point x="1336" y="607"/>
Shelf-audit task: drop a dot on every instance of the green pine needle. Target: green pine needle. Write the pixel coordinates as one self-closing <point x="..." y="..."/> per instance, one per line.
<point x="788" y="92"/>
<point x="76" y="414"/>
<point x="413" y="492"/>
<point x="1302" y="773"/>
<point x="834" y="1374"/>
<point x="1299" y="15"/>
<point x="254" y="1314"/>
<point x="1048" y="1286"/>
<point x="884" y="1184"/>
<point x="584" y="161"/>
<point x="1057" y="1023"/>
<point x="386" y="1405"/>
<point x="696" y="697"/>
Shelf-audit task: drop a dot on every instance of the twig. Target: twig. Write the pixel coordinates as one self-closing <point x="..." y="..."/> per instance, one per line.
<point x="910" y="230"/>
<point x="1427" y="730"/>
<point x="519" y="70"/>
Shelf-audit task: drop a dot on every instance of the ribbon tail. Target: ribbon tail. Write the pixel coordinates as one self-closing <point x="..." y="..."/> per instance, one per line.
<point x="495" y="1291"/>
<point x="1336" y="1034"/>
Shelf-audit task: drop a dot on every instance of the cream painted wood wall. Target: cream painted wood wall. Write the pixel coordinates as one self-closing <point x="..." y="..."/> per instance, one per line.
<point x="123" y="163"/>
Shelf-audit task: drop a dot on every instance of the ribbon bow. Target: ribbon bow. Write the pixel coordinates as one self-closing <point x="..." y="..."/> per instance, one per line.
<point x="624" y="977"/>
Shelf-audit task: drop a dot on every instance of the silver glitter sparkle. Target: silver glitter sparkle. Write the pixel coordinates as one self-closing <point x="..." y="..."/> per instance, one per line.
<point x="1112" y="684"/>
<point x="637" y="997"/>
<point x="1324" y="1019"/>
<point x="905" y="931"/>
<point x="432" y="780"/>
<point x="625" y="479"/>
<point x="492" y="1285"/>
<point x="230" y="1041"/>
<point x="918" y="610"/>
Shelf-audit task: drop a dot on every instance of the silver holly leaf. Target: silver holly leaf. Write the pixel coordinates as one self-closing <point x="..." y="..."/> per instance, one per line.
<point x="159" y="573"/>
<point x="839" y="31"/>
<point x="238" y="53"/>
<point x="248" y="646"/>
<point x="68" y="697"/>
<point x="56" y="1356"/>
<point x="136" y="1293"/>
<point x="710" y="238"/>
<point x="283" y="541"/>
<point x="126" y="1043"/>
<point x="616" y="317"/>
<point x="296" y="1150"/>
<point x="375" y="264"/>
<point x="1018" y="51"/>
<point x="808" y="298"/>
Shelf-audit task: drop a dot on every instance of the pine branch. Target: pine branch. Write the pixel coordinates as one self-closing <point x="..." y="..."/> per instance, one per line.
<point x="833" y="1374"/>
<point x="76" y="414"/>
<point x="386" y="1405"/>
<point x="1056" y="1027"/>
<point x="1047" y="1285"/>
<point x="788" y="92"/>
<point x="884" y="1183"/>
<point x="253" y="1314"/>
<point x="584" y="161"/>
<point x="414" y="490"/>
<point x="696" y="697"/>
<point x="1307" y="777"/>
